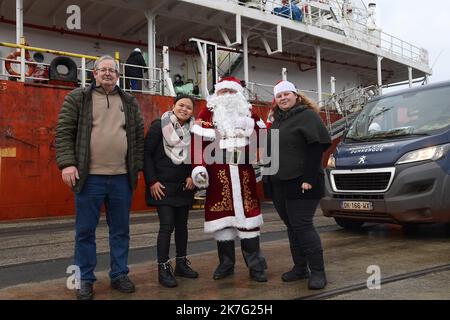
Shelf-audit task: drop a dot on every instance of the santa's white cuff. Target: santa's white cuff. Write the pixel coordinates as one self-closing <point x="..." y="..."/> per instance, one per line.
<point x="248" y="234"/>
<point x="249" y="126"/>
<point x="208" y="134"/>
<point x="200" y="181"/>
<point x="226" y="234"/>
<point x="261" y="124"/>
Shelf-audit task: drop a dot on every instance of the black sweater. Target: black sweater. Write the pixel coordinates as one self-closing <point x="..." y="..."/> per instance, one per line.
<point x="303" y="138"/>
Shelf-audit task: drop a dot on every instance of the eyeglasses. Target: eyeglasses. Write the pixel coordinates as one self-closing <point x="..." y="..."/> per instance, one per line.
<point x="104" y="70"/>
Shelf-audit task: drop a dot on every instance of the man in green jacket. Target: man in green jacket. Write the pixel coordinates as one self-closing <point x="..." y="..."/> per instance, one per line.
<point x="100" y="150"/>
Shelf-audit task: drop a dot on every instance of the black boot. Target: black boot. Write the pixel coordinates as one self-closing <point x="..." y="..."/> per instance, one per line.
<point x="254" y="259"/>
<point x="295" y="274"/>
<point x="183" y="269"/>
<point x="227" y="259"/>
<point x="300" y="269"/>
<point x="317" y="279"/>
<point x="165" y="275"/>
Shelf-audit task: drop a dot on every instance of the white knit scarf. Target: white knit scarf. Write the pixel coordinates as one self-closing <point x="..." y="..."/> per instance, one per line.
<point x="176" y="137"/>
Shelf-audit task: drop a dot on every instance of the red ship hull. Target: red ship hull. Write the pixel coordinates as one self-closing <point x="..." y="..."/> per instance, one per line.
<point x="30" y="182"/>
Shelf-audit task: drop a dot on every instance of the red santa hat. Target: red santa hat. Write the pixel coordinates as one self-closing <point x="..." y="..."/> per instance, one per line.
<point x="229" y="83"/>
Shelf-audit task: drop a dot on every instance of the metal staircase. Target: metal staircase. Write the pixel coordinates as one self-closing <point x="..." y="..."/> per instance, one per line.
<point x="229" y="62"/>
<point x="346" y="106"/>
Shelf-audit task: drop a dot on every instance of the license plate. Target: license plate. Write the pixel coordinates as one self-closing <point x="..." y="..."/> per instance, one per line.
<point x="357" y="205"/>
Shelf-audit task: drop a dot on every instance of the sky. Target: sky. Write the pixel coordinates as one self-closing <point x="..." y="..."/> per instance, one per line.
<point x="425" y="24"/>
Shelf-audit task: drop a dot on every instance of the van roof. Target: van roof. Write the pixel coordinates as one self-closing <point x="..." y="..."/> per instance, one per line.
<point x="416" y="89"/>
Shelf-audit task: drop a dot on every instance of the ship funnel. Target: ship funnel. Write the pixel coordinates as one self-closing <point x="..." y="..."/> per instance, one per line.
<point x="372" y="17"/>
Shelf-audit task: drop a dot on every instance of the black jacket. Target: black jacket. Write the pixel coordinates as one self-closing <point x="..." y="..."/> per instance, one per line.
<point x="303" y="138"/>
<point x="135" y="58"/>
<point x="159" y="167"/>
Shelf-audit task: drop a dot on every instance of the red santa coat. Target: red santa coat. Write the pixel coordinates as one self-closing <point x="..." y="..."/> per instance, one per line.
<point x="231" y="197"/>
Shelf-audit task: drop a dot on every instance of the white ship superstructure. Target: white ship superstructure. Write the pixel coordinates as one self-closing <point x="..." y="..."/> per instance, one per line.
<point x="206" y="39"/>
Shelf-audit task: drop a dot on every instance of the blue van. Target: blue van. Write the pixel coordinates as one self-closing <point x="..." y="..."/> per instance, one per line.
<point x="393" y="164"/>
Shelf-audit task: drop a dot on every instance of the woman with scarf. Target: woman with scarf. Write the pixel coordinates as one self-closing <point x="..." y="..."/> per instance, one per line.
<point x="169" y="185"/>
<point x="299" y="183"/>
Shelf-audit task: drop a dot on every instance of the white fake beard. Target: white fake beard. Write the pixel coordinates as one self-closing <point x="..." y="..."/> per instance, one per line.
<point x="226" y="110"/>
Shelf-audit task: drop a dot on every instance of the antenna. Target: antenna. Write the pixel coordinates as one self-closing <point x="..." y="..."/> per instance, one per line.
<point x="437" y="58"/>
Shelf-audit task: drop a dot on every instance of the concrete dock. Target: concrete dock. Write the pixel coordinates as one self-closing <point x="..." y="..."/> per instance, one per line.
<point x="34" y="256"/>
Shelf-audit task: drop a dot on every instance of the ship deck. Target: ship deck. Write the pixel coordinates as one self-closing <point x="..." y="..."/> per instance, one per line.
<point x="175" y="22"/>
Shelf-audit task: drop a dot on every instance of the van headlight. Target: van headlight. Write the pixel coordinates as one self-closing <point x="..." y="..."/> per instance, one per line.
<point x="430" y="153"/>
<point x="331" y="161"/>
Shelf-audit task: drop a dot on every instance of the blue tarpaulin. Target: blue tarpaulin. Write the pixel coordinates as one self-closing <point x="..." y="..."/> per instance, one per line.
<point x="285" y="11"/>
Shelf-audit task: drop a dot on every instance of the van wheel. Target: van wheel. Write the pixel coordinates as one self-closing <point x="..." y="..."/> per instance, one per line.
<point x="447" y="228"/>
<point x="349" y="223"/>
<point x="410" y="228"/>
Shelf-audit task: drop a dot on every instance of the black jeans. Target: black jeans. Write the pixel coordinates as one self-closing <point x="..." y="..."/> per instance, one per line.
<point x="172" y="218"/>
<point x="297" y="214"/>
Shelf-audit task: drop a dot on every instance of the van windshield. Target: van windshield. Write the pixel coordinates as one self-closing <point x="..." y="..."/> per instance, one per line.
<point x="413" y="113"/>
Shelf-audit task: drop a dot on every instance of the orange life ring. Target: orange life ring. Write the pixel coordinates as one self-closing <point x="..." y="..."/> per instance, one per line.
<point x="13" y="56"/>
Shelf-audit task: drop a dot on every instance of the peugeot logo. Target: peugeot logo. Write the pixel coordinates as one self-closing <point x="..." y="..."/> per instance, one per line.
<point x="362" y="160"/>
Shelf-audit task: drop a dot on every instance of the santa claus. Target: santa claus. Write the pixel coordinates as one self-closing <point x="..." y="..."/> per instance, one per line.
<point x="227" y="125"/>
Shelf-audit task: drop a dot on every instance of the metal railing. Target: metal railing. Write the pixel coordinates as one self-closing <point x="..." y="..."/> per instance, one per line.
<point x="152" y="84"/>
<point x="337" y="17"/>
<point x="259" y="92"/>
<point x="347" y="104"/>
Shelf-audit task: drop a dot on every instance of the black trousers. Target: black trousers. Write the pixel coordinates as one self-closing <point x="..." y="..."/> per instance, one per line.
<point x="297" y="214"/>
<point x="171" y="218"/>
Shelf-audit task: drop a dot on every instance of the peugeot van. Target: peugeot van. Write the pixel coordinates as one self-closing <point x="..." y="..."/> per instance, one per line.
<point x="393" y="164"/>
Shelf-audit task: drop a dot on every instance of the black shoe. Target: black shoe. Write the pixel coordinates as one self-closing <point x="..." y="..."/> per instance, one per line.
<point x="258" y="276"/>
<point x="123" y="284"/>
<point x="183" y="269"/>
<point x="86" y="291"/>
<point x="317" y="280"/>
<point x="221" y="273"/>
<point x="295" y="274"/>
<point x="165" y="275"/>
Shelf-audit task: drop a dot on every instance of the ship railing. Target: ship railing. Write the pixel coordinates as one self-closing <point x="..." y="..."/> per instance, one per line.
<point x="22" y="62"/>
<point x="151" y="83"/>
<point x="347" y="105"/>
<point x="40" y="73"/>
<point x="259" y="92"/>
<point x="333" y="15"/>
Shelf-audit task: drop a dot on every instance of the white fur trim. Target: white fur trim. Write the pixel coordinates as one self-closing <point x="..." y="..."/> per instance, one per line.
<point x="197" y="171"/>
<point x="228" y="85"/>
<point x="225" y="234"/>
<point x="230" y="143"/>
<point x="284" y="86"/>
<point x="249" y="223"/>
<point x="238" y="204"/>
<point x="248" y="235"/>
<point x="207" y="133"/>
<point x="261" y="124"/>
